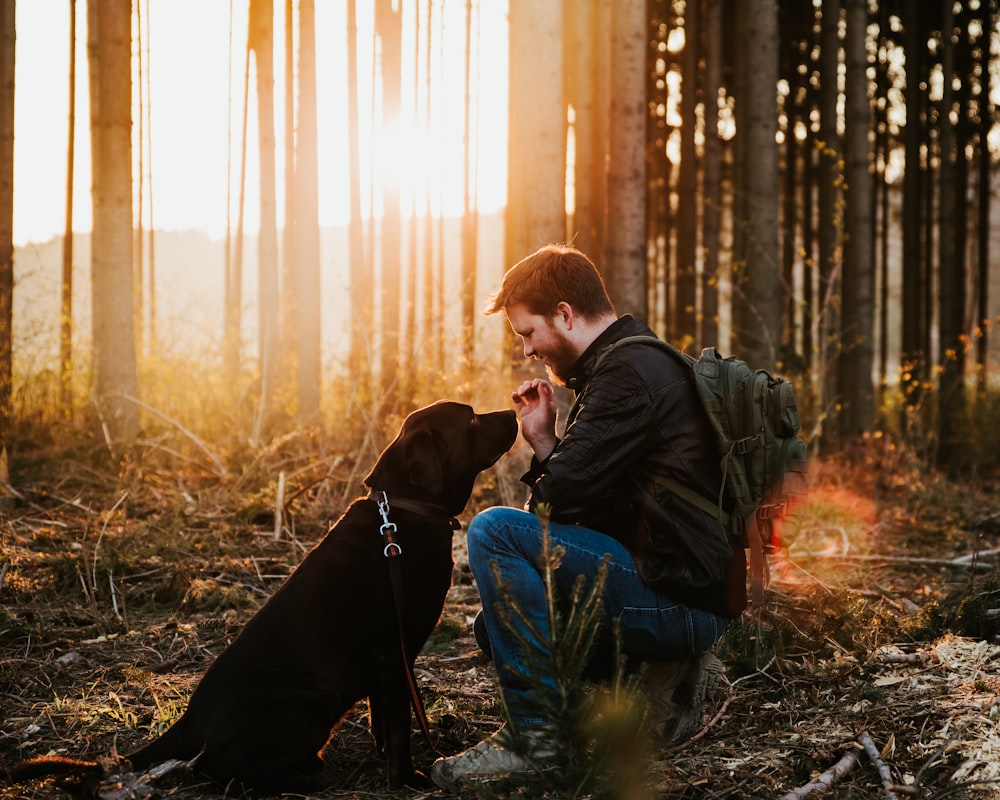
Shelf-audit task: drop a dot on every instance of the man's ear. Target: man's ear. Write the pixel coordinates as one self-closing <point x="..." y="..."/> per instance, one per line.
<point x="564" y="314"/>
<point x="424" y="469"/>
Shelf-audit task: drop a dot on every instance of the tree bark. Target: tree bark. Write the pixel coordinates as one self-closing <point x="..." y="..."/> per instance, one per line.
<point x="686" y="329"/>
<point x="66" y="289"/>
<point x="857" y="319"/>
<point x="262" y="37"/>
<point x="712" y="174"/>
<point x="110" y="60"/>
<point x="389" y="27"/>
<point x="625" y="272"/>
<point x="536" y="182"/>
<point x="307" y="219"/>
<point x="6" y="223"/>
<point x="757" y="292"/>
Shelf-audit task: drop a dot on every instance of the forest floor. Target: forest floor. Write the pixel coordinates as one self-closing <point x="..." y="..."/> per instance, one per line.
<point x="878" y="645"/>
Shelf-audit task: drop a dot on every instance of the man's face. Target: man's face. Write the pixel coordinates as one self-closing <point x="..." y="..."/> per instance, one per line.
<point x="544" y="338"/>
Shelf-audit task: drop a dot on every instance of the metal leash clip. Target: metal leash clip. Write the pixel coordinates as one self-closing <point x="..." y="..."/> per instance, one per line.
<point x="388" y="529"/>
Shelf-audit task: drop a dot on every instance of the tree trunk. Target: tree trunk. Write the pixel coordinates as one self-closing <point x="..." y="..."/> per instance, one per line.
<point x="536" y="181"/>
<point x="625" y="272"/>
<point x="360" y="274"/>
<point x="686" y="329"/>
<point x="470" y="214"/>
<point x="857" y="326"/>
<point x="389" y="27"/>
<point x="66" y="290"/>
<point x="307" y="218"/>
<point x="6" y="223"/>
<point x="757" y="293"/>
<point x="110" y="60"/>
<point x="712" y="174"/>
<point x="288" y="324"/>
<point x="829" y="224"/>
<point x="952" y="222"/>
<point x="586" y="59"/>
<point x="262" y="37"/>
<point x="913" y="357"/>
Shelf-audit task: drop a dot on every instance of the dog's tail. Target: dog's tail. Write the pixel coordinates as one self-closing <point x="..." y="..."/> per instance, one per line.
<point x="60" y="766"/>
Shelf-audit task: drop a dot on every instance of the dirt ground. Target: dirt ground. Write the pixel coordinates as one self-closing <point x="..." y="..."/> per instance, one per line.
<point x="877" y="647"/>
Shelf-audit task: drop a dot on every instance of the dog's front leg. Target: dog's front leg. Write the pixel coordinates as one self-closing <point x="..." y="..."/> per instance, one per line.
<point x="389" y="709"/>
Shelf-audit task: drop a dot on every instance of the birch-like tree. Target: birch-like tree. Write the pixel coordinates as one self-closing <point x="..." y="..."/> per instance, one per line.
<point x="109" y="25"/>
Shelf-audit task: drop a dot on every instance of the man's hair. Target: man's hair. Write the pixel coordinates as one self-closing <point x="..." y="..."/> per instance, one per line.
<point x="551" y="275"/>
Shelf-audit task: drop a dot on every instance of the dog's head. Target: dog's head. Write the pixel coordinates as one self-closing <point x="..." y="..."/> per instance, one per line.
<point x="439" y="451"/>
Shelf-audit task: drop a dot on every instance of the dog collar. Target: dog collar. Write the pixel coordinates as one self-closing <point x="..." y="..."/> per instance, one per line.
<point x="381" y="499"/>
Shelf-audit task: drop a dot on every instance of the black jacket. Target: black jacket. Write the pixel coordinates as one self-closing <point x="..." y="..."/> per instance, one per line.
<point x="639" y="412"/>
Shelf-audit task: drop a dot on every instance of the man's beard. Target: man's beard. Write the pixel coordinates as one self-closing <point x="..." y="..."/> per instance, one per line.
<point x="560" y="360"/>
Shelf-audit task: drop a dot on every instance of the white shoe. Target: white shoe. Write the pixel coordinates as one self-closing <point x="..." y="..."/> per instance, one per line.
<point x="677" y="693"/>
<point x="492" y="759"/>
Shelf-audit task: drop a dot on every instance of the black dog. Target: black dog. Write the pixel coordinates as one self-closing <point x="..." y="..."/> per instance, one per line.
<point x="329" y="636"/>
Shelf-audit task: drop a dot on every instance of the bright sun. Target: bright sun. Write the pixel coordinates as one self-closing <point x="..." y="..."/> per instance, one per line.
<point x="195" y="115"/>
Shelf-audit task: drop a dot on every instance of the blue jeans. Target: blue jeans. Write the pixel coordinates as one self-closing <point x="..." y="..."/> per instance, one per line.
<point x="652" y="626"/>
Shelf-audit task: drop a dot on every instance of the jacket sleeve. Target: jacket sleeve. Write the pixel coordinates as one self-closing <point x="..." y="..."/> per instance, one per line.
<point x="616" y="425"/>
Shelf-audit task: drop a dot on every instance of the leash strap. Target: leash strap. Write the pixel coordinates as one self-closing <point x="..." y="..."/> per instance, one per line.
<point x="393" y="551"/>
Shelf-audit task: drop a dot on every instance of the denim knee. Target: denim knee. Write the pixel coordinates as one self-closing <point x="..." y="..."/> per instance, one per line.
<point x="483" y="536"/>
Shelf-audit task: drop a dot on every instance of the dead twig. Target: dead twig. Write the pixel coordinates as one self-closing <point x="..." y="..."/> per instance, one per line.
<point x="888" y="785"/>
<point x="822" y="783"/>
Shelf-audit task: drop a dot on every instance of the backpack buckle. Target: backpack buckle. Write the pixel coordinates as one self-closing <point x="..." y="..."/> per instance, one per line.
<point x="770" y="511"/>
<point x="744" y="446"/>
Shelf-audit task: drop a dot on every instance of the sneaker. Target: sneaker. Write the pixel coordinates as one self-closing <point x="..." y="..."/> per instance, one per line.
<point x="677" y="693"/>
<point x="490" y="760"/>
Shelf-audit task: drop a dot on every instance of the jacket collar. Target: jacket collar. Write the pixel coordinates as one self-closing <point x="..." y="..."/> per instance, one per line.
<point x="625" y="325"/>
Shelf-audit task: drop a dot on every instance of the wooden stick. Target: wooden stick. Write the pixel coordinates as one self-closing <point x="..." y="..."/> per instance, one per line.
<point x="823" y="782"/>
<point x="883" y="770"/>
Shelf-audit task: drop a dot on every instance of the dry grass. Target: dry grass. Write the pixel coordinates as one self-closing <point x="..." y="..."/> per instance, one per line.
<point x="118" y="589"/>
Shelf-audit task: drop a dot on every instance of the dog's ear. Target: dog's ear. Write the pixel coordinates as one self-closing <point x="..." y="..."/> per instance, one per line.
<point x="423" y="451"/>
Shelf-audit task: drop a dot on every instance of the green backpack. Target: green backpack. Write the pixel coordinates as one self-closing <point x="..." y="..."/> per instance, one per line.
<point x="756" y="423"/>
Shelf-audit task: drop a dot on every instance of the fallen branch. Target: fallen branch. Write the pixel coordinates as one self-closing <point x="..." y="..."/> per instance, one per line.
<point x="904" y="658"/>
<point x="967" y="561"/>
<point x="219" y="466"/>
<point x="883" y="770"/>
<point x="823" y="782"/>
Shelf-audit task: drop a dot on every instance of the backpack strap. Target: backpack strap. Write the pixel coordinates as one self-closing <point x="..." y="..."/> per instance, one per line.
<point x="675" y="486"/>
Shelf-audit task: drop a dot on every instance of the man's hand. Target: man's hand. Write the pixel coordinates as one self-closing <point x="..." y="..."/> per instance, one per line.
<point x="535" y="402"/>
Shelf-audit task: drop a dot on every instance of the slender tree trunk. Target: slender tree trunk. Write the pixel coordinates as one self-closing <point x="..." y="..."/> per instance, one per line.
<point x="625" y="272"/>
<point x="712" y="174"/>
<point x="913" y="357"/>
<point x="952" y="239"/>
<point x="6" y="224"/>
<point x="856" y="345"/>
<point x="233" y="323"/>
<point x="288" y="325"/>
<point x="389" y="28"/>
<point x="110" y="59"/>
<point x="361" y="333"/>
<point x="262" y="32"/>
<point x="686" y="330"/>
<point x="986" y="121"/>
<point x="586" y="59"/>
<point x="757" y="295"/>
<point x="307" y="218"/>
<point x="470" y="213"/>
<point x="66" y="295"/>
<point x="151" y="233"/>
<point x="830" y="222"/>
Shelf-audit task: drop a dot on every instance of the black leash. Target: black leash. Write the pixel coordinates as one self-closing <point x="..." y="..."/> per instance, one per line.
<point x="393" y="551"/>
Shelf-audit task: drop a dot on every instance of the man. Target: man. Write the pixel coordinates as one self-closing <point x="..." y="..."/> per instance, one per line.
<point x="674" y="582"/>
